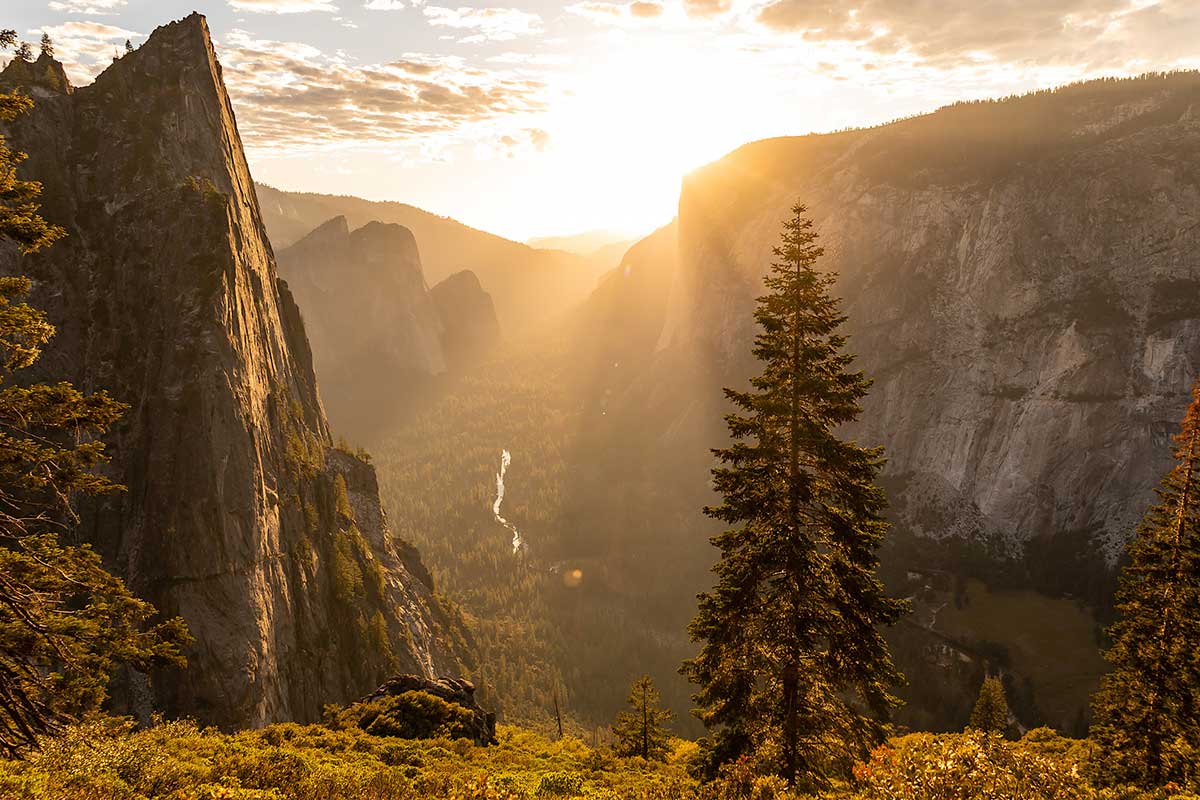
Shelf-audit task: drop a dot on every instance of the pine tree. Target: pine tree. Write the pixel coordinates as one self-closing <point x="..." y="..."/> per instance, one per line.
<point x="47" y="45"/>
<point x="990" y="713"/>
<point x="128" y="46"/>
<point x="642" y="731"/>
<point x="24" y="52"/>
<point x="792" y="663"/>
<point x="65" y="623"/>
<point x="1147" y="711"/>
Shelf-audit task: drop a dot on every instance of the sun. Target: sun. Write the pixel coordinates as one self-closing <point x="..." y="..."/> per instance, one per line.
<point x="639" y="118"/>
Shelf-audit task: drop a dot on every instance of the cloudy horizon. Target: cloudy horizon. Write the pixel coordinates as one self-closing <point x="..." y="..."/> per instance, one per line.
<point x="497" y="115"/>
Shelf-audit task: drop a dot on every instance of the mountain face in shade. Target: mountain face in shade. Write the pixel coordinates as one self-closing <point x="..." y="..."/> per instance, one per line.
<point x="470" y="330"/>
<point x="375" y="331"/>
<point x="1023" y="285"/>
<point x="239" y="515"/>
<point x="530" y="287"/>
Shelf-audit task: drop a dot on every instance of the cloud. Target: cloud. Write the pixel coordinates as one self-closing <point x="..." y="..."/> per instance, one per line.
<point x="292" y="97"/>
<point x="489" y="24"/>
<point x="282" y="6"/>
<point x="949" y="32"/>
<point x="607" y="12"/>
<point x="516" y="144"/>
<point x="384" y="5"/>
<point x="87" y="6"/>
<point x="86" y="48"/>
<point x="706" y="8"/>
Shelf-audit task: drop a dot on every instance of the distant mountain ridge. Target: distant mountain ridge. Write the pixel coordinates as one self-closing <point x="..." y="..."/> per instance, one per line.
<point x="378" y="332"/>
<point x="529" y="286"/>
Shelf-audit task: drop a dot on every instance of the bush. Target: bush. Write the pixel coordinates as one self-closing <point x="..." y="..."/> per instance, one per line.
<point x="412" y="715"/>
<point x="968" y="766"/>
<point x="560" y="784"/>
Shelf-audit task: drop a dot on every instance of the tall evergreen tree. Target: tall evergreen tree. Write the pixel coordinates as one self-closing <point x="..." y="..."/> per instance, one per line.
<point x="23" y="52"/>
<point x="642" y="730"/>
<point x="65" y="623"/>
<point x="1147" y="711"/>
<point x="47" y="45"/>
<point x="990" y="713"/>
<point x="792" y="663"/>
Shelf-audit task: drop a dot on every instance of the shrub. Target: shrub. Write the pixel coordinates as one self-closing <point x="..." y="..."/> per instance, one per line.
<point x="412" y="715"/>
<point x="560" y="784"/>
<point x="968" y="766"/>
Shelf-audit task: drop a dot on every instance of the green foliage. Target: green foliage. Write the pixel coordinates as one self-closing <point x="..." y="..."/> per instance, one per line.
<point x="106" y="759"/>
<point x="970" y="766"/>
<point x="65" y="623"/>
<point x="342" y="498"/>
<point x="990" y="713"/>
<point x="47" y="45"/>
<point x="641" y="731"/>
<point x="1147" y="711"/>
<point x="793" y="665"/>
<point x="560" y="784"/>
<point x="412" y="715"/>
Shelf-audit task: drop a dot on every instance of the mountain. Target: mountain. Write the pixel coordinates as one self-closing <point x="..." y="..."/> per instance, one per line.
<point x="1020" y="280"/>
<point x="375" y="331"/>
<point x="529" y="286"/>
<point x="239" y="515"/>
<point x="588" y="243"/>
<point x="470" y="330"/>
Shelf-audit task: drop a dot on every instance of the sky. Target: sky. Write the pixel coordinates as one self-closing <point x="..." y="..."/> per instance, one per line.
<point x="543" y="118"/>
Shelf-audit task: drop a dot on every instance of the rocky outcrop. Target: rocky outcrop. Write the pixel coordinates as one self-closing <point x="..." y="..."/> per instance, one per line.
<point x="470" y="328"/>
<point x="458" y="691"/>
<point x="376" y="333"/>
<point x="239" y="516"/>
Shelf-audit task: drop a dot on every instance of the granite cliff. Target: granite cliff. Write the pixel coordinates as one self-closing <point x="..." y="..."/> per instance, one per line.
<point x="379" y="334"/>
<point x="375" y="332"/>
<point x="530" y="287"/>
<point x="239" y="515"/>
<point x="1021" y="281"/>
<point x="470" y="330"/>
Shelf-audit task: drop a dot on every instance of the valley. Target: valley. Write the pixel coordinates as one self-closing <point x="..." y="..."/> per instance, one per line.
<point x="864" y="471"/>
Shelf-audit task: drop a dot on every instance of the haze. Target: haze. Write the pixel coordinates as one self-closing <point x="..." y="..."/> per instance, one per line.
<point x="539" y="118"/>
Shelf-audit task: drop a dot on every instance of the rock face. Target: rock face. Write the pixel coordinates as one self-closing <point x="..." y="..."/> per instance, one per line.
<point x="470" y="328"/>
<point x="239" y="515"/>
<point x="374" y="328"/>
<point x="1021" y="281"/>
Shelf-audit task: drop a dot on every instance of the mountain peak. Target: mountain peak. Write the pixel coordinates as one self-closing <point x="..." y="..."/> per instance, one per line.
<point x="44" y="73"/>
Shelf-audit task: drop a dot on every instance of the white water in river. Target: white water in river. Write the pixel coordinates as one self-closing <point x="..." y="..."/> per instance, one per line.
<point x="517" y="542"/>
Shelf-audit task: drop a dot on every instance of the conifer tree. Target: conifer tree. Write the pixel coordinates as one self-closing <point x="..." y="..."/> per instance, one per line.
<point x="24" y="52"/>
<point x="792" y="662"/>
<point x="642" y="731"/>
<point x="65" y="622"/>
<point x="47" y="45"/>
<point x="128" y="46"/>
<point x="1147" y="711"/>
<point x="990" y="713"/>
